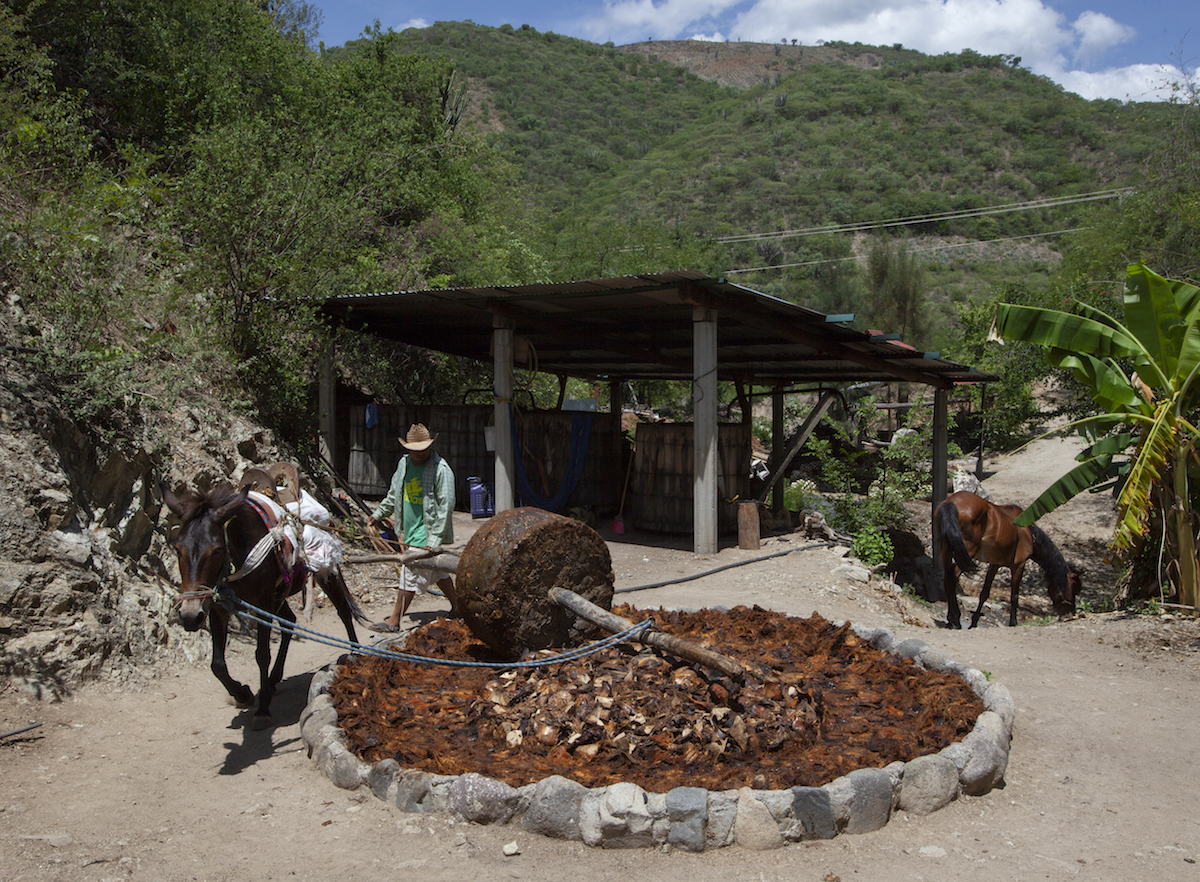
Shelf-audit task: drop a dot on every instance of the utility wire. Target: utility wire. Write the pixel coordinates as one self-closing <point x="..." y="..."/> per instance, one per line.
<point x="861" y="226"/>
<point x="932" y="248"/>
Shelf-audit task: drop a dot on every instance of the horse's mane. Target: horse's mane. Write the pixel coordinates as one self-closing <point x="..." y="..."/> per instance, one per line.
<point x="196" y="504"/>
<point x="1050" y="559"/>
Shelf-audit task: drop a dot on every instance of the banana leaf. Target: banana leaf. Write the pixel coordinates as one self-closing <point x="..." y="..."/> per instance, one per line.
<point x="1066" y="488"/>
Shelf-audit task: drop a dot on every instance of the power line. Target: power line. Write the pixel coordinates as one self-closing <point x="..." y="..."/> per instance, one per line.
<point x="860" y="226"/>
<point x="755" y="269"/>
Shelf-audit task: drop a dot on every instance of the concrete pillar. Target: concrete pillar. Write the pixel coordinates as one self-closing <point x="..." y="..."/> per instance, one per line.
<point x="704" y="407"/>
<point x="502" y="391"/>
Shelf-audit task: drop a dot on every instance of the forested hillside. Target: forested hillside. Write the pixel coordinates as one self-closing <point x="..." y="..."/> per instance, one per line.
<point x="625" y="144"/>
<point x="183" y="189"/>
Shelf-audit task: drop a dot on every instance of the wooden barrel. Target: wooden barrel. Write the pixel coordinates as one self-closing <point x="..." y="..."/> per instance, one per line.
<point x="508" y="568"/>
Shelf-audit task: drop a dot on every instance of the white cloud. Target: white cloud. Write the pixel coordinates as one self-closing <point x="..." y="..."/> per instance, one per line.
<point x="1046" y="41"/>
<point x="1098" y="33"/>
<point x="1137" y="82"/>
<point x="413" y="23"/>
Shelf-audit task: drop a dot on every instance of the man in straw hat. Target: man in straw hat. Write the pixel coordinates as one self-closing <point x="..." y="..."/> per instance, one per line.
<point x="421" y="503"/>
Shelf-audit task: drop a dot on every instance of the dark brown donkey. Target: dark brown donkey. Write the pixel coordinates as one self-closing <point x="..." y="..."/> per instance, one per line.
<point x="972" y="528"/>
<point x="217" y="532"/>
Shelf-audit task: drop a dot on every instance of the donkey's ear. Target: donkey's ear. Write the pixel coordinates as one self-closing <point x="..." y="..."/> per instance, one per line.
<point x="235" y="502"/>
<point x="172" y="501"/>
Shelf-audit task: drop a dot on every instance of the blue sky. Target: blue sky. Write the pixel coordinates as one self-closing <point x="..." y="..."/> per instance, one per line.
<point x="1098" y="48"/>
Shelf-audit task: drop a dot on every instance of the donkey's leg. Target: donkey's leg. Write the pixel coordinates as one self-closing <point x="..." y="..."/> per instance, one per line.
<point x="335" y="588"/>
<point x="218" y="626"/>
<point x="266" y="689"/>
<point x="983" y="595"/>
<point x="285" y="639"/>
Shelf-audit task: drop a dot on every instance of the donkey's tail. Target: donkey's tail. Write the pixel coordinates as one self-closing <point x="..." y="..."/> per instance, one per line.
<point x="333" y="582"/>
<point x="947" y="521"/>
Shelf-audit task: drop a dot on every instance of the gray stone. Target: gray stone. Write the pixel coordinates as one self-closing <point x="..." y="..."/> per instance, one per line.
<point x="778" y="802"/>
<point x="319" y="714"/>
<point x="930" y="783"/>
<point x="483" y="800"/>
<point x="841" y="797"/>
<point x="754" y="827"/>
<point x="851" y="572"/>
<point x="439" y="793"/>
<point x="883" y="639"/>
<point x="997" y="698"/>
<point x="687" y="810"/>
<point x="72" y="546"/>
<point x="986" y="767"/>
<point x="722" y="812"/>
<point x="895" y="773"/>
<point x="991" y="724"/>
<point x="414" y="791"/>
<point x="936" y="659"/>
<point x="813" y="813"/>
<point x="872" y="804"/>
<point x="382" y="779"/>
<point x="958" y="753"/>
<point x="625" y="821"/>
<point x="977" y="680"/>
<point x="554" y="809"/>
<point x="321" y="681"/>
<point x="910" y="648"/>
<point x="589" y="818"/>
<point x="337" y="763"/>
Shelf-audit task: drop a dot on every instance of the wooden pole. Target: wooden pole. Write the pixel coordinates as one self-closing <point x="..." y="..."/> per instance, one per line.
<point x="666" y="642"/>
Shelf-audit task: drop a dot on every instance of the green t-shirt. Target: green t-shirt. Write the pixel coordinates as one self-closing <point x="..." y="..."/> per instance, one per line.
<point x="413" y="506"/>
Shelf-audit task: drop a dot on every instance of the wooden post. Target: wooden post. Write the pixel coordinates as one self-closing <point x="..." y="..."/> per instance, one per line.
<point x="326" y="407"/>
<point x="502" y="389"/>
<point x="777" y="441"/>
<point x="704" y="408"/>
<point x="938" y="490"/>
<point x="747" y="520"/>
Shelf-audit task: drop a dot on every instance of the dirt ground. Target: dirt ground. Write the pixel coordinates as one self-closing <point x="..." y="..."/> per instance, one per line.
<point x="164" y="780"/>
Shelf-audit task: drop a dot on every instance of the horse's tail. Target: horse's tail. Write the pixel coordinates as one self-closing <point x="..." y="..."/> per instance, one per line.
<point x="1054" y="567"/>
<point x="948" y="526"/>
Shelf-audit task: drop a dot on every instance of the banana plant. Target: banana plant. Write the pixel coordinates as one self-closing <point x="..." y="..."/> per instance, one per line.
<point x="1146" y="413"/>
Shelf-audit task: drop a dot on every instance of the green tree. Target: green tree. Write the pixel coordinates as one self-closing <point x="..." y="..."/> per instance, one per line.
<point x="1149" y="409"/>
<point x="896" y="285"/>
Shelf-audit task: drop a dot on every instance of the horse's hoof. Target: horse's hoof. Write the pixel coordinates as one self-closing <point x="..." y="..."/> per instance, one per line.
<point x="244" y="699"/>
<point x="261" y="721"/>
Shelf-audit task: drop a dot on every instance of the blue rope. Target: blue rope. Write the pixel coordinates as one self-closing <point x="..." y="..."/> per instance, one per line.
<point x="247" y="611"/>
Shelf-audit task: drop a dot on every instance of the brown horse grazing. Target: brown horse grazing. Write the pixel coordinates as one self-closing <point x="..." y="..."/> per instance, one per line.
<point x="217" y="532"/>
<point x="973" y="529"/>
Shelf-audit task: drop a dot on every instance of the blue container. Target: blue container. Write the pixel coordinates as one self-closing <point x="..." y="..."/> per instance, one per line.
<point x="482" y="504"/>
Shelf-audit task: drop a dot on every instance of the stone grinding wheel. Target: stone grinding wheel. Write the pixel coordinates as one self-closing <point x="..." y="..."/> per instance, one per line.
<point x="507" y="569"/>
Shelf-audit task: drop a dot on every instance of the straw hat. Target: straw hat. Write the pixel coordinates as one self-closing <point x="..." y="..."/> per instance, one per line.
<point x="418" y="438"/>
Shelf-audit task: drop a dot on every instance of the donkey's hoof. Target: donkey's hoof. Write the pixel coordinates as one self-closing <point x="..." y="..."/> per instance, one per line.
<point x="262" y="721"/>
<point x="244" y="698"/>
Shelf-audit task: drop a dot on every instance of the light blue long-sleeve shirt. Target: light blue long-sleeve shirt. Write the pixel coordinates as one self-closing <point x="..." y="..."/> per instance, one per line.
<point x="439" y="502"/>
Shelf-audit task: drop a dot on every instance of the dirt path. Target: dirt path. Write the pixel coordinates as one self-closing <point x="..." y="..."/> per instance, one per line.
<point x="163" y="781"/>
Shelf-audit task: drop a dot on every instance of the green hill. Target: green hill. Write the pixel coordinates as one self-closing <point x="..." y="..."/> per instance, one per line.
<point x="700" y="141"/>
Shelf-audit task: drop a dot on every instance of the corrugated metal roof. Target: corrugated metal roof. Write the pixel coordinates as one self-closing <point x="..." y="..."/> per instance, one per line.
<point x="640" y="327"/>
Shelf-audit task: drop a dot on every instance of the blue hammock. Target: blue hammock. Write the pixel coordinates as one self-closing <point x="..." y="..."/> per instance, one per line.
<point x="581" y="430"/>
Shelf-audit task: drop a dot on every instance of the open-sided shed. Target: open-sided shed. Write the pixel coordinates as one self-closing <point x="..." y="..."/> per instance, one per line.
<point x="667" y="326"/>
